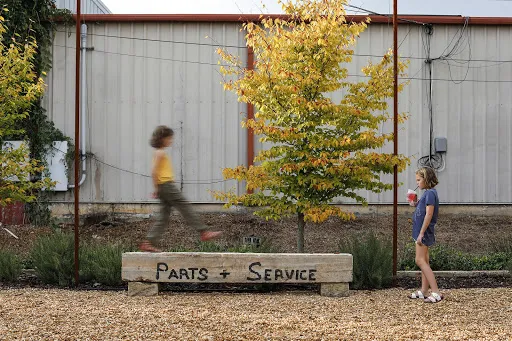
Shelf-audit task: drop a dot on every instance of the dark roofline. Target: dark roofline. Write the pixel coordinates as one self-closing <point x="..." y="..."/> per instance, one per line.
<point x="428" y="19"/>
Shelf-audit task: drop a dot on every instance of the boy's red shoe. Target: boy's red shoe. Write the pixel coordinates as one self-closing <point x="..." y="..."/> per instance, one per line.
<point x="209" y="235"/>
<point x="147" y="247"/>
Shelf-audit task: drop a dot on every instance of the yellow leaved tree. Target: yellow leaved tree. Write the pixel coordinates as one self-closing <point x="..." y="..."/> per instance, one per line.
<point x="321" y="149"/>
<point x="19" y="87"/>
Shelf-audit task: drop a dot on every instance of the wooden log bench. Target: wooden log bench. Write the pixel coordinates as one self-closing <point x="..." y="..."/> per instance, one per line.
<point x="144" y="271"/>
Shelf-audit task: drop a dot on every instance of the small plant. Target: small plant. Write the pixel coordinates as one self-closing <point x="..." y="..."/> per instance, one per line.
<point x="373" y="262"/>
<point x="179" y="249"/>
<point x="53" y="258"/>
<point x="102" y="263"/>
<point x="264" y="247"/>
<point x="210" y="247"/>
<point x="10" y="266"/>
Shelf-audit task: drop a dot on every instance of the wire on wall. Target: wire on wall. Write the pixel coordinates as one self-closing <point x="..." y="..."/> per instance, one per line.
<point x="431" y="160"/>
<point x="457" y="81"/>
<point x="459" y="42"/>
<point x="85" y="156"/>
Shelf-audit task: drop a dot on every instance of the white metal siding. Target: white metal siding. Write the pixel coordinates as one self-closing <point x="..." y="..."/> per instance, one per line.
<point x="160" y="74"/>
<point x="475" y="116"/>
<point x="88" y="6"/>
<point x="151" y="78"/>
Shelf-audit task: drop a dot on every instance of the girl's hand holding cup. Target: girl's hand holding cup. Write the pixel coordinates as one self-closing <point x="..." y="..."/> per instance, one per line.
<point x="412" y="197"/>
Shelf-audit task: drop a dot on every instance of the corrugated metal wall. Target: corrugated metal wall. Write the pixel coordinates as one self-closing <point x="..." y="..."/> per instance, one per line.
<point x="159" y="74"/>
<point x="475" y="113"/>
<point x="166" y="73"/>
<point x="88" y="6"/>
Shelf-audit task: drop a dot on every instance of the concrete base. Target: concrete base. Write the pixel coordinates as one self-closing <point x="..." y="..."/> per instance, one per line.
<point x="146" y="210"/>
<point x="334" y="289"/>
<point x="455" y="274"/>
<point x="143" y="289"/>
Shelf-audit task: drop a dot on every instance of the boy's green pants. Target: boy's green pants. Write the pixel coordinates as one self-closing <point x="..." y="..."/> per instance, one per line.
<point x="170" y="196"/>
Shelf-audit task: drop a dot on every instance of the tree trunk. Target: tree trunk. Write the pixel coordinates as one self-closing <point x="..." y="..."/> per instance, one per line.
<point x="300" y="235"/>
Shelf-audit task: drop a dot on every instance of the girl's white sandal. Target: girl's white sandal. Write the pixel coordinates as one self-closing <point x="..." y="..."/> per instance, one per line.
<point x="434" y="298"/>
<point x="417" y="294"/>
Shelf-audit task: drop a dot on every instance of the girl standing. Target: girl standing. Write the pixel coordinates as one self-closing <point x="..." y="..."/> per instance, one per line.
<point x="423" y="232"/>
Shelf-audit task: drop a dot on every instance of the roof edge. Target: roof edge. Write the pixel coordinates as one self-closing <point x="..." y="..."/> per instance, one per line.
<point x="427" y="19"/>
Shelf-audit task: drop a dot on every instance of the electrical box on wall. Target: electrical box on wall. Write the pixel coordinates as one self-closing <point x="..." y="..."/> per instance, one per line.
<point x="440" y="144"/>
<point x="56" y="160"/>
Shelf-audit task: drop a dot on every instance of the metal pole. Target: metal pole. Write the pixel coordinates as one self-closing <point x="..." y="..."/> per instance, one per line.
<point x="395" y="136"/>
<point x="77" y="134"/>
<point x="250" y="115"/>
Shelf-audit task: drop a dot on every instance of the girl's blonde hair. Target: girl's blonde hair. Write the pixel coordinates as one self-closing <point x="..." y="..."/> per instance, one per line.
<point x="429" y="175"/>
<point x="160" y="133"/>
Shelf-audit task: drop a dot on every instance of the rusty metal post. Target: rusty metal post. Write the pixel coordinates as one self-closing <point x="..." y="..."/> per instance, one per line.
<point x="395" y="136"/>
<point x="250" y="115"/>
<point x="77" y="135"/>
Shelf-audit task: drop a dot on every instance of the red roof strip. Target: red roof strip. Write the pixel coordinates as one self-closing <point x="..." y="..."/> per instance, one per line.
<point x="447" y="20"/>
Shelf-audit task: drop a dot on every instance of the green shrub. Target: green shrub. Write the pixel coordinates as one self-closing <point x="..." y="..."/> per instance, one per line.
<point x="102" y="263"/>
<point x="494" y="261"/>
<point x="53" y="258"/>
<point x="406" y="258"/>
<point x="449" y="259"/>
<point x="10" y="266"/>
<point x="373" y="261"/>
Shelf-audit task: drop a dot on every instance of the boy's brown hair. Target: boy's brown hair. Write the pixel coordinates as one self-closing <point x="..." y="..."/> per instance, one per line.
<point x="429" y="175"/>
<point x="160" y="133"/>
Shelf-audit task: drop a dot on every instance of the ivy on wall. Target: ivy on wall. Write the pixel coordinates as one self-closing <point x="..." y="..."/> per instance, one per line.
<point x="26" y="20"/>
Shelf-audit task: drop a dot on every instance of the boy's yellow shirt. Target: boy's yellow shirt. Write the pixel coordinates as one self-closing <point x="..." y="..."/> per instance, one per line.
<point x="163" y="170"/>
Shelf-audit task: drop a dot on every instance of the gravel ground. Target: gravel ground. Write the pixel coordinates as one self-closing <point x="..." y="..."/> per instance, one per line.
<point x="465" y="314"/>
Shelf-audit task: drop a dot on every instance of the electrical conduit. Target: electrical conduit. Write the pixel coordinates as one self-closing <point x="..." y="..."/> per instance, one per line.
<point x="83" y="101"/>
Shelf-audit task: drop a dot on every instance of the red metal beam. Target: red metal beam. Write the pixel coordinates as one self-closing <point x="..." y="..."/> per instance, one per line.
<point x="178" y="17"/>
<point x="395" y="136"/>
<point x="430" y="19"/>
<point x="77" y="135"/>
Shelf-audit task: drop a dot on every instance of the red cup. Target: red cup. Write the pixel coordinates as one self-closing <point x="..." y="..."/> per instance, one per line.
<point x="411" y="196"/>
